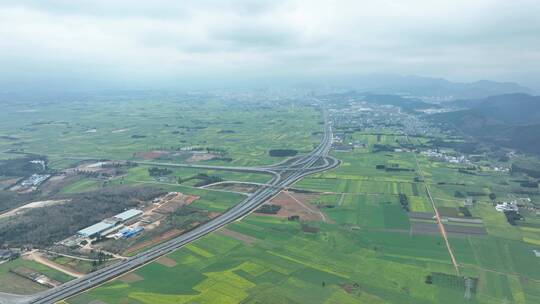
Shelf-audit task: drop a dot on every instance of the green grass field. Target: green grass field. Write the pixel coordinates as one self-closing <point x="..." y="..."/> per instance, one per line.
<point x="12" y="283"/>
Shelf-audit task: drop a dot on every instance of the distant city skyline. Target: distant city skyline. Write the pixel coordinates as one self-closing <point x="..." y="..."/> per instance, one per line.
<point x="210" y="43"/>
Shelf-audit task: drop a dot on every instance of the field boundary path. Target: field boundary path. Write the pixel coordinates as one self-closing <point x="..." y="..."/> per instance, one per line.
<point x="308" y="209"/>
<point x="437" y="216"/>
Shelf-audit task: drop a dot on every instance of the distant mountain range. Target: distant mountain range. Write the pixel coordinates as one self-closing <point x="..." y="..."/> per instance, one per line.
<point x="510" y="120"/>
<point x="425" y="88"/>
<point x="417" y="86"/>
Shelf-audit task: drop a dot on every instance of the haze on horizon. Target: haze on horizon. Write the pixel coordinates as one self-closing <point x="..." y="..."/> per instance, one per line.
<point x="164" y="44"/>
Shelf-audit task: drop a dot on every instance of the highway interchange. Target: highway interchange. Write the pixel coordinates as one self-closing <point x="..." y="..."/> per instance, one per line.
<point x="284" y="174"/>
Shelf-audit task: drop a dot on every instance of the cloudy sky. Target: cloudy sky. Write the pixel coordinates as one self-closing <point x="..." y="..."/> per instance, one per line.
<point x="162" y="43"/>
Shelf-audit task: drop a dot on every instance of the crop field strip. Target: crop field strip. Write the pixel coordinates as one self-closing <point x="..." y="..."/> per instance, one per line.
<point x="289" y="262"/>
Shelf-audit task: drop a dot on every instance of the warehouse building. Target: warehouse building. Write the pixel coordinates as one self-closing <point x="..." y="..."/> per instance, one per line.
<point x="106" y="226"/>
<point x="95" y="230"/>
<point x="128" y="215"/>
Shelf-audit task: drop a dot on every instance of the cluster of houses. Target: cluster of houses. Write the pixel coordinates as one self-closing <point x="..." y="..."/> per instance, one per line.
<point x="507" y="207"/>
<point x="515" y="204"/>
<point x="501" y="169"/>
<point x="35" y="180"/>
<point x="437" y="155"/>
<point x="9" y="254"/>
<point x="340" y="145"/>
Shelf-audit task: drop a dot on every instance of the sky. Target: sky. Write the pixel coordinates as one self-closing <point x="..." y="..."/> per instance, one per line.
<point x="162" y="43"/>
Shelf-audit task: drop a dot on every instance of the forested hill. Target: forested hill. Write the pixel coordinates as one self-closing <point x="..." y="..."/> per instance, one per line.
<point x="408" y="104"/>
<point x="511" y="120"/>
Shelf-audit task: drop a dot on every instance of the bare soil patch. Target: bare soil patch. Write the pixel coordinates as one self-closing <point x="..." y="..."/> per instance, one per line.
<point x="53" y="181"/>
<point x="55" y="184"/>
<point x="8" y="182"/>
<point x="37" y="257"/>
<point x="466" y="230"/>
<point x="236" y="187"/>
<point x="166" y="261"/>
<point x="297" y="204"/>
<point x="131" y="278"/>
<point x="431" y="228"/>
<point x="350" y="287"/>
<point x="196" y="157"/>
<point x="448" y="211"/>
<point x="149" y="155"/>
<point x="309" y="229"/>
<point x="246" y="239"/>
<point x="173" y="201"/>
<point x="159" y="239"/>
<point x="164" y="205"/>
<point x="39" y="204"/>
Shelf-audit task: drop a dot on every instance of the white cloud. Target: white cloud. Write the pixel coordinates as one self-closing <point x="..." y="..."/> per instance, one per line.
<point x="150" y="42"/>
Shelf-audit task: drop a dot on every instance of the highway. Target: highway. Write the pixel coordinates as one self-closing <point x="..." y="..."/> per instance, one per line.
<point x="284" y="175"/>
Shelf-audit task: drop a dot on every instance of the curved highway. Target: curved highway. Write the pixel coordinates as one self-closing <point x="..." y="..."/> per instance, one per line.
<point x="283" y="176"/>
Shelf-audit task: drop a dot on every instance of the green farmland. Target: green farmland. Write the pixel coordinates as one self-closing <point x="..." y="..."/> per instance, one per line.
<point x="98" y="128"/>
<point x="286" y="264"/>
<point x="366" y="253"/>
<point x="375" y="241"/>
<point x="13" y="283"/>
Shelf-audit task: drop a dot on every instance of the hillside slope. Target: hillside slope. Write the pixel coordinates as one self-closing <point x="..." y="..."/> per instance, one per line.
<point x="510" y="120"/>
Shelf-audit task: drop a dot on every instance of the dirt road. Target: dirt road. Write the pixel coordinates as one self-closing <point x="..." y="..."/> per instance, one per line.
<point x="437" y="217"/>
<point x="37" y="257"/>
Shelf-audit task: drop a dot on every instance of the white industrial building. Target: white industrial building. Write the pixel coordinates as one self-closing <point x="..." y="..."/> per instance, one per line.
<point x="128" y="215"/>
<point x="95" y="229"/>
<point x="512" y="206"/>
<point x="107" y="225"/>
